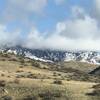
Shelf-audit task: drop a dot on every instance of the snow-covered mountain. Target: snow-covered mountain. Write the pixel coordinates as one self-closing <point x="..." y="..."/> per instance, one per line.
<point x="84" y="56"/>
<point x="55" y="55"/>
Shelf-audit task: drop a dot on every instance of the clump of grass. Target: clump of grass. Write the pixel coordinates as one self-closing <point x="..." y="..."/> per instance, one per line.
<point x="50" y="95"/>
<point x="2" y="83"/>
<point x="16" y="81"/>
<point x="13" y="59"/>
<point x="59" y="82"/>
<point x="22" y="61"/>
<point x="35" y="64"/>
<point x="8" y="76"/>
<point x="54" y="74"/>
<point x="6" y="97"/>
<point x="30" y="97"/>
<point x="32" y="76"/>
<point x="2" y="75"/>
<point x="5" y="55"/>
<point x="3" y="59"/>
<point x="19" y="71"/>
<point x="96" y="91"/>
<point x="21" y="66"/>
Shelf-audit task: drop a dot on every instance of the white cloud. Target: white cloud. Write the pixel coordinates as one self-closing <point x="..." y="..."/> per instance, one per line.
<point x="78" y="12"/>
<point x="8" y="38"/>
<point x="59" y="2"/>
<point x="34" y="39"/>
<point x="58" y="41"/>
<point x="79" y="33"/>
<point x="96" y="9"/>
<point x="21" y="10"/>
<point x="79" y="28"/>
<point x="29" y="5"/>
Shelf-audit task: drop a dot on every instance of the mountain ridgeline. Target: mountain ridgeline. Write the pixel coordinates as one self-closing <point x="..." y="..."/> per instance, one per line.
<point x="55" y="55"/>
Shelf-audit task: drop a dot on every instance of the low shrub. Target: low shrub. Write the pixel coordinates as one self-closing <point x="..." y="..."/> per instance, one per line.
<point x="6" y="98"/>
<point x="2" y="83"/>
<point x="35" y="64"/>
<point x="57" y="82"/>
<point x="16" y="81"/>
<point x="2" y="75"/>
<point x="30" y="98"/>
<point x="50" y="95"/>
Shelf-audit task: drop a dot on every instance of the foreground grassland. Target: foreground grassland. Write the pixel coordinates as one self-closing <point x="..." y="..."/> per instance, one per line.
<point x="26" y="79"/>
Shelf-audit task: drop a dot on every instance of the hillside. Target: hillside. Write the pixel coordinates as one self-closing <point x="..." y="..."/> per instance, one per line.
<point x="49" y="55"/>
<point x="25" y="79"/>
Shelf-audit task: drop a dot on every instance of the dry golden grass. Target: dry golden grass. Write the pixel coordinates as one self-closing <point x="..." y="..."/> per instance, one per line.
<point x="22" y="81"/>
<point x="82" y="66"/>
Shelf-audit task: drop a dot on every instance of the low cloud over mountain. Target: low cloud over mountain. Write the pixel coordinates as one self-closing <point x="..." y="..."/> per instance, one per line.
<point x="79" y="31"/>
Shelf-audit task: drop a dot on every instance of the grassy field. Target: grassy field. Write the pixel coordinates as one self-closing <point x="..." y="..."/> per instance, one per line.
<point x="26" y="79"/>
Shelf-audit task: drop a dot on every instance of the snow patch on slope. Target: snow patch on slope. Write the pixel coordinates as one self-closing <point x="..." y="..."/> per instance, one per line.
<point x="29" y="55"/>
<point x="88" y="57"/>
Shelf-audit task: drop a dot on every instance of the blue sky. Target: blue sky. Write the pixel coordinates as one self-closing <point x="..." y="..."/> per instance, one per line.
<point x="42" y="23"/>
<point x="48" y="18"/>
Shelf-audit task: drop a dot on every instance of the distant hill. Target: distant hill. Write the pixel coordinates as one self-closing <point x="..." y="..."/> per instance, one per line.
<point x="47" y="55"/>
